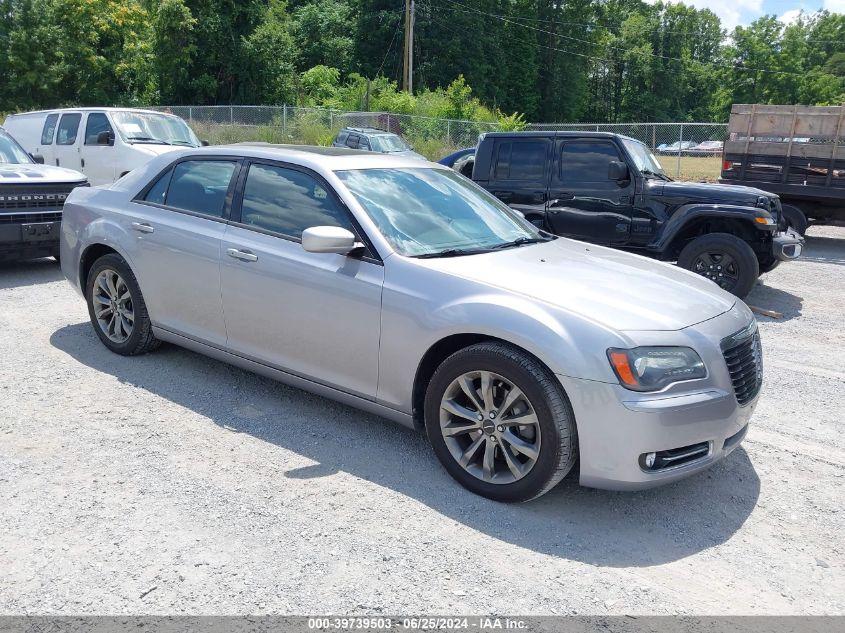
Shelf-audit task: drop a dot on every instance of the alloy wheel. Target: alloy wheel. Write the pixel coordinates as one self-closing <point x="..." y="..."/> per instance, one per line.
<point x="113" y="306"/>
<point x="719" y="267"/>
<point x="490" y="427"/>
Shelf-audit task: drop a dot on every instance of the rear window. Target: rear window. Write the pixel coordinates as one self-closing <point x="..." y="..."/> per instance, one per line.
<point x="49" y="129"/>
<point x="521" y="161"/>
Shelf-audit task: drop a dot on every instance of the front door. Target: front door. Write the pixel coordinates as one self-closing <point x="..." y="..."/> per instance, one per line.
<point x="180" y="221"/>
<point x="66" y="146"/>
<point x="584" y="202"/>
<point x="315" y="315"/>
<point x="99" y="162"/>
<point x="519" y="175"/>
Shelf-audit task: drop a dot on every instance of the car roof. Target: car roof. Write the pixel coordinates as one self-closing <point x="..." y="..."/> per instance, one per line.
<point x="366" y="130"/>
<point x="556" y="134"/>
<point x="332" y="158"/>
<point x="93" y="109"/>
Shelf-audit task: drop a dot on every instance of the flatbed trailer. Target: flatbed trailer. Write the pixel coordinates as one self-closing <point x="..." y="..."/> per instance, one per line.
<point x="796" y="152"/>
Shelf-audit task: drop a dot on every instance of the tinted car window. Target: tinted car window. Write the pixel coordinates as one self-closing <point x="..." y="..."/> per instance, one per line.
<point x="364" y="143"/>
<point x="158" y="191"/>
<point x="352" y="141"/>
<point x="49" y="129"/>
<point x="521" y="161"/>
<point x="68" y="127"/>
<point x="587" y="161"/>
<point x="97" y="122"/>
<point x="287" y="201"/>
<point x="341" y="138"/>
<point x="200" y="186"/>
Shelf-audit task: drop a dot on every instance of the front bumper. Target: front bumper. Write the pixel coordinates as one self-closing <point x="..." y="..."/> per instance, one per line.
<point x="787" y="245"/>
<point x="689" y="426"/>
<point x="28" y="239"/>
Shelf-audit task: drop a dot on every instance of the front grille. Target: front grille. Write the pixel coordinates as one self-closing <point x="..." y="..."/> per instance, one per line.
<point x="29" y="218"/>
<point x="31" y="197"/>
<point x="744" y="357"/>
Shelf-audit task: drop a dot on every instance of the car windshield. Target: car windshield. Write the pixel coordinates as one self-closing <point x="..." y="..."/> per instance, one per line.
<point x="436" y="212"/>
<point x="148" y="127"/>
<point x="642" y="157"/>
<point x="11" y="152"/>
<point x="389" y="143"/>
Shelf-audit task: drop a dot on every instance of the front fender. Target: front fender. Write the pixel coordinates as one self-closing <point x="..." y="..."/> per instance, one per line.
<point x="567" y="345"/>
<point x="687" y="213"/>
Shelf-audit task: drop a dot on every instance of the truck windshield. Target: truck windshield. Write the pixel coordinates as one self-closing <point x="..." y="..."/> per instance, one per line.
<point x="425" y="212"/>
<point x="149" y="127"/>
<point x="643" y="158"/>
<point x="10" y="151"/>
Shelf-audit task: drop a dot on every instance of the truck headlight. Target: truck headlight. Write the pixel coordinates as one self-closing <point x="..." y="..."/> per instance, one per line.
<point x="652" y="368"/>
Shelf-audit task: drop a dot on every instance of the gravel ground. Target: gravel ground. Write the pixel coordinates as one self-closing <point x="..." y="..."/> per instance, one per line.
<point x="172" y="483"/>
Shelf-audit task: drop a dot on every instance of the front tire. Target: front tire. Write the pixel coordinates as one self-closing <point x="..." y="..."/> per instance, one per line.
<point x="724" y="259"/>
<point x="500" y="423"/>
<point x="117" y="309"/>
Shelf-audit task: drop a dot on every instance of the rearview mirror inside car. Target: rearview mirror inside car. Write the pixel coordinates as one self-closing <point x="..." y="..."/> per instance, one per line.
<point x="329" y="239"/>
<point x="617" y="170"/>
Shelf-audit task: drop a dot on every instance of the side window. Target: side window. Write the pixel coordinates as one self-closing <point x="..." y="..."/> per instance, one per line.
<point x="68" y="128"/>
<point x="49" y="129"/>
<point x="288" y="201"/>
<point x="97" y="122"/>
<point x="524" y="160"/>
<point x="199" y="186"/>
<point x="364" y="143"/>
<point x="158" y="191"/>
<point x="352" y="141"/>
<point x="341" y="138"/>
<point x="587" y="161"/>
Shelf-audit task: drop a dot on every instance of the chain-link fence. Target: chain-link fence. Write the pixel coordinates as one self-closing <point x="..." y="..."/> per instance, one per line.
<point x="690" y="151"/>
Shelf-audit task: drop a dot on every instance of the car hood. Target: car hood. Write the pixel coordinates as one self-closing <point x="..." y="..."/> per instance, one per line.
<point x="33" y="173"/>
<point x="618" y="289"/>
<point x="707" y="192"/>
<point x="157" y="149"/>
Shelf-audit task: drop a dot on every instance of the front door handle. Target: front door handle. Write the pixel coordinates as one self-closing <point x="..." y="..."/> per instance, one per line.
<point x="244" y="256"/>
<point x="142" y="227"/>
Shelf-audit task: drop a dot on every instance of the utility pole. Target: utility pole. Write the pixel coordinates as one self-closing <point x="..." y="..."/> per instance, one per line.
<point x="408" y="55"/>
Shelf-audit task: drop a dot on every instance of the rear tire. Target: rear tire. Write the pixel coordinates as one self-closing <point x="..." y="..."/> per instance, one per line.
<point x="117" y="309"/>
<point x="724" y="259"/>
<point x="795" y="218"/>
<point x="526" y="440"/>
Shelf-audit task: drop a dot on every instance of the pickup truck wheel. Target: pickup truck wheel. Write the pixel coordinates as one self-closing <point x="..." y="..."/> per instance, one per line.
<point x="768" y="264"/>
<point x="500" y="423"/>
<point x="723" y="258"/>
<point x="117" y="309"/>
<point x="795" y="218"/>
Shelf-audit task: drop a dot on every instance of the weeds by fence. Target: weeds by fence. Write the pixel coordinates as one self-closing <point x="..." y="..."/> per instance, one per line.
<point x="434" y="138"/>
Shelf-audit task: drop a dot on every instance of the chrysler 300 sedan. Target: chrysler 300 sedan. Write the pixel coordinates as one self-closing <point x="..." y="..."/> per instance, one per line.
<point x="401" y="288"/>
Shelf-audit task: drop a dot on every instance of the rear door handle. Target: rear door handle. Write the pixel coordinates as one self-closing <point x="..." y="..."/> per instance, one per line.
<point x="142" y="227"/>
<point x="244" y="256"/>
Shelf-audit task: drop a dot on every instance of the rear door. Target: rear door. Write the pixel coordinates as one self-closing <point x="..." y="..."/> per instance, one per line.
<point x="179" y="223"/>
<point x="583" y="202"/>
<point x="519" y="174"/>
<point x="66" y="144"/>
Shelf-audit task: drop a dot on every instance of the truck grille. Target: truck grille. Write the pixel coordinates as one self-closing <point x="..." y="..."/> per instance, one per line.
<point x="744" y="357"/>
<point x="29" y="218"/>
<point x="34" y="197"/>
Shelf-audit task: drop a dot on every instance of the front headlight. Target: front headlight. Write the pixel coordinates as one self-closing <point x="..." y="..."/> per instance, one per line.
<point x="652" y="368"/>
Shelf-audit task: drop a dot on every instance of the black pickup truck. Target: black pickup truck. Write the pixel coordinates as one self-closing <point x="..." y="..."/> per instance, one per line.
<point x="610" y="189"/>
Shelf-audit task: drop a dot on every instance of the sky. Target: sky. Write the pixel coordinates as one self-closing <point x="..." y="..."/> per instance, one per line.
<point x="735" y="12"/>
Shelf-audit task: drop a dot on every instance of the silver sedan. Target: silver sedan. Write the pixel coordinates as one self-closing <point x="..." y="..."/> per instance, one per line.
<point x="402" y="288"/>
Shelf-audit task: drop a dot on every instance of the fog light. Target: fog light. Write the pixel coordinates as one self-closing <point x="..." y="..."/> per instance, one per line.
<point x="649" y="459"/>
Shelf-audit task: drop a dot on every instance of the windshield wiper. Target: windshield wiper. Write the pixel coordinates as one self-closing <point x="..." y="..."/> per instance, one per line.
<point x="648" y="172"/>
<point x="453" y="252"/>
<point x="523" y="241"/>
<point x="147" y="138"/>
<point x="187" y="143"/>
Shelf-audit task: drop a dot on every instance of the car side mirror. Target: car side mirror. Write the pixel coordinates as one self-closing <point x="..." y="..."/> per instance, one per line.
<point x="329" y="239"/>
<point x="38" y="158"/>
<point x="617" y="170"/>
<point x="204" y="143"/>
<point x="105" y="137"/>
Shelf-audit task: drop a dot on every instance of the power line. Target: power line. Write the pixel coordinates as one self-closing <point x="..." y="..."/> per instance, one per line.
<point x="580" y="41"/>
<point x="390" y="46"/>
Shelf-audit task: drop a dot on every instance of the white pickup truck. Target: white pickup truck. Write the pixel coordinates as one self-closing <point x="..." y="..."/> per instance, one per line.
<point x="31" y="201"/>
